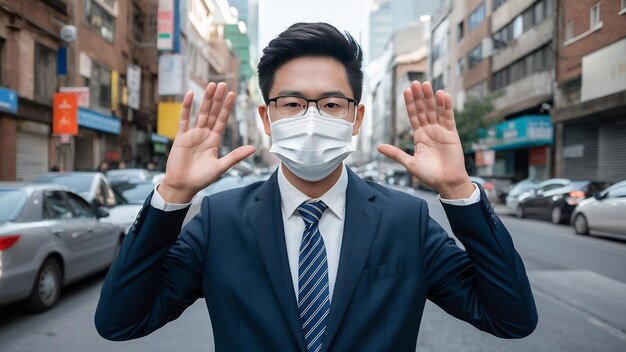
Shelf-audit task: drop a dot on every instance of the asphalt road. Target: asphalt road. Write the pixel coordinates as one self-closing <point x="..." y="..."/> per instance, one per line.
<point x="579" y="285"/>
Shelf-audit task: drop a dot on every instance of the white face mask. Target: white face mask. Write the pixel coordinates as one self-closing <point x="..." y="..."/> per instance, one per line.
<point x="311" y="146"/>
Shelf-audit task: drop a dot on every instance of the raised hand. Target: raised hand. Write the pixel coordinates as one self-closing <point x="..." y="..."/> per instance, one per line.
<point x="193" y="163"/>
<point x="438" y="158"/>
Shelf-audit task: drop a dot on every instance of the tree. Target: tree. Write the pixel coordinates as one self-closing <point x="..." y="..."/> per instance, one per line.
<point x="473" y="118"/>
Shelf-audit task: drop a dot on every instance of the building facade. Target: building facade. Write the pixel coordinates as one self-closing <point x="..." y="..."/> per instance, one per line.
<point x="590" y="91"/>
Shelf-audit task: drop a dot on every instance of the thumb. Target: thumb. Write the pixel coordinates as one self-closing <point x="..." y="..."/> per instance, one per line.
<point x="396" y="154"/>
<point x="229" y="160"/>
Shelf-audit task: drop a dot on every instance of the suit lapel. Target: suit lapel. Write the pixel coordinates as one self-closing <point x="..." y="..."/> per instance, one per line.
<point x="360" y="227"/>
<point x="266" y="223"/>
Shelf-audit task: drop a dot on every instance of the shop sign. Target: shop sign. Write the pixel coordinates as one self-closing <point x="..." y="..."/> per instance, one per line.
<point x="523" y="132"/>
<point x="64" y="111"/>
<point x="99" y="122"/>
<point x="82" y="95"/>
<point x="168" y="115"/>
<point x="8" y="100"/>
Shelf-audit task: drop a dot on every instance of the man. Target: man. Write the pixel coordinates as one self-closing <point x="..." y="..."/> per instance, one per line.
<point x="315" y="258"/>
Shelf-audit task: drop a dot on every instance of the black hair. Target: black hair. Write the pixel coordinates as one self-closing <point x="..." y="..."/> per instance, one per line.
<point x="312" y="39"/>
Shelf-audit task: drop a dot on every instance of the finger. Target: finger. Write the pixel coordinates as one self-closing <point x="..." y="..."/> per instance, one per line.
<point x="429" y="101"/>
<point x="448" y="112"/>
<point x="229" y="160"/>
<point x="416" y="89"/>
<point x="440" y="97"/>
<point x="222" y="119"/>
<point x="396" y="154"/>
<point x="411" y="110"/>
<point x="183" y="123"/>
<point x="216" y="108"/>
<point x="205" y="105"/>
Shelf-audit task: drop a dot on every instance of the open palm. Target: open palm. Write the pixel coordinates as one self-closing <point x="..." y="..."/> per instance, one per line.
<point x="193" y="162"/>
<point x="438" y="158"/>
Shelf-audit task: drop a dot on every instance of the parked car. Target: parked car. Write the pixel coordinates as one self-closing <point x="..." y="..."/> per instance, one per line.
<point x="225" y="183"/>
<point x="489" y="188"/>
<point x="605" y="212"/>
<point x="127" y="175"/>
<point x="130" y="198"/>
<point x="93" y="186"/>
<point x="518" y="190"/>
<point x="49" y="237"/>
<point x="556" y="199"/>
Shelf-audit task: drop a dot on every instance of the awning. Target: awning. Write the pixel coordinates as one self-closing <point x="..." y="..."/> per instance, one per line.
<point x="522" y="132"/>
<point x="99" y="122"/>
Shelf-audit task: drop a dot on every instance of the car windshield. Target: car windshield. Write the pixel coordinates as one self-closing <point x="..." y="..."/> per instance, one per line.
<point x="17" y="199"/>
<point x="522" y="187"/>
<point x="79" y="183"/>
<point x="133" y="193"/>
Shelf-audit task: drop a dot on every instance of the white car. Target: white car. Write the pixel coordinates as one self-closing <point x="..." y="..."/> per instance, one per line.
<point x="130" y="198"/>
<point x="515" y="193"/>
<point x="605" y="212"/>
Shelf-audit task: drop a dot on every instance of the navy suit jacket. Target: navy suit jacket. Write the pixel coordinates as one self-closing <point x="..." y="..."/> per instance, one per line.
<point x="394" y="256"/>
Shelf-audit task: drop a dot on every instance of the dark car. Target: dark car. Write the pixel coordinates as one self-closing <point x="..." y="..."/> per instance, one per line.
<point x="555" y="201"/>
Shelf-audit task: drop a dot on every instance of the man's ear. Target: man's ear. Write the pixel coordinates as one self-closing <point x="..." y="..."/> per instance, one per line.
<point x="360" y="112"/>
<point x="265" y="117"/>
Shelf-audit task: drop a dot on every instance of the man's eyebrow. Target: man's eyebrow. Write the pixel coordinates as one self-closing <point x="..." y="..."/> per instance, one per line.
<point x="335" y="93"/>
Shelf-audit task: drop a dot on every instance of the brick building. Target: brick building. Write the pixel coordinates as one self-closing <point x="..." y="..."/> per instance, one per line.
<point x="590" y="94"/>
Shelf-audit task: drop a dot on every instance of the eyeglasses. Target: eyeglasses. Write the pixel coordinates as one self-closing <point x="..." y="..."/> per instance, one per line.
<point x="295" y="106"/>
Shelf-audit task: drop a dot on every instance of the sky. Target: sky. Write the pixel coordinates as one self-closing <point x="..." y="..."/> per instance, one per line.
<point x="276" y="15"/>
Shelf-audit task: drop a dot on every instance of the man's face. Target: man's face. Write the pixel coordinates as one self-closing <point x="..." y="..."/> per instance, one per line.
<point x="311" y="77"/>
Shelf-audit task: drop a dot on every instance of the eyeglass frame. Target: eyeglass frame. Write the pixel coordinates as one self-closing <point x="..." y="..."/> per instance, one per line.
<point x="308" y="103"/>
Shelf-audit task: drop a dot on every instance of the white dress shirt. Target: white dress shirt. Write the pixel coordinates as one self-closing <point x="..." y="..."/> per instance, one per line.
<point x="330" y="225"/>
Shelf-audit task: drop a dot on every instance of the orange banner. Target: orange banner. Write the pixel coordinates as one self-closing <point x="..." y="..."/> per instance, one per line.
<point x="65" y="114"/>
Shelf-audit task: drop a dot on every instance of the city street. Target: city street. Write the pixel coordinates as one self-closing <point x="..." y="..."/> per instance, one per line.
<point x="579" y="285"/>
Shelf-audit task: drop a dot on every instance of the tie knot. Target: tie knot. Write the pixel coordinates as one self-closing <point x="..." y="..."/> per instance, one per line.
<point x="311" y="212"/>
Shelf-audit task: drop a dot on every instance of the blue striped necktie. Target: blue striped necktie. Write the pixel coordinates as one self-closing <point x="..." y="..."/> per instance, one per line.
<point x="313" y="294"/>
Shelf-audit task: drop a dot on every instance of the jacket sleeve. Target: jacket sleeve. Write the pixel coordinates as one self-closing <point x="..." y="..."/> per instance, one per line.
<point x="485" y="285"/>
<point x="157" y="273"/>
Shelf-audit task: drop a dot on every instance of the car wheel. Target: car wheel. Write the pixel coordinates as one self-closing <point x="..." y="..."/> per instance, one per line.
<point x="47" y="287"/>
<point x="520" y="212"/>
<point x="580" y="225"/>
<point x="555" y="215"/>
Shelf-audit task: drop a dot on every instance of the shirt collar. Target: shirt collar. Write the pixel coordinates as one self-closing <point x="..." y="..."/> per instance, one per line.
<point x="334" y="198"/>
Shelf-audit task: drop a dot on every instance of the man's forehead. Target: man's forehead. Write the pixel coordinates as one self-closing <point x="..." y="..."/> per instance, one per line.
<point x="311" y="76"/>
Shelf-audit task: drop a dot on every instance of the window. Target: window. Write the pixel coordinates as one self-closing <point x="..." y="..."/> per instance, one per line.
<point x="100" y="87"/>
<point x="594" y="16"/>
<point x="460" y="30"/>
<point x="100" y="19"/>
<point x="569" y="30"/>
<point x="475" y="56"/>
<point x="476" y="17"/>
<point x="55" y="206"/>
<point x="460" y="67"/>
<point x="438" y="83"/>
<point x="415" y="76"/>
<point x="615" y="192"/>
<point x="45" y="72"/>
<point x="500" y="79"/>
<point x="539" y="12"/>
<point x="477" y="91"/>
<point x="498" y="3"/>
<point x="81" y="208"/>
<point x="623" y="6"/>
<point x="139" y="26"/>
<point x="518" y="27"/>
<point x="537" y="61"/>
<point x="528" y="17"/>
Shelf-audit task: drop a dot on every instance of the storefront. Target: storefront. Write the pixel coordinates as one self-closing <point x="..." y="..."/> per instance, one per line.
<point x="595" y="149"/>
<point x="516" y="149"/>
<point x="97" y="139"/>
